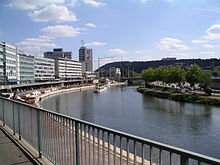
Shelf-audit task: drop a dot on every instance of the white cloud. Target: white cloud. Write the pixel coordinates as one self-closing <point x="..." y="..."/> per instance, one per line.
<point x="48" y="38"/>
<point x="40" y="41"/>
<point x="138" y="52"/>
<point x="198" y="41"/>
<point x="53" y="13"/>
<point x="117" y="51"/>
<point x="32" y="4"/>
<point x="213" y="32"/>
<point x="61" y="31"/>
<point x="209" y="46"/>
<point x="143" y="1"/>
<point x="71" y="3"/>
<point x="208" y="54"/>
<point x="94" y="3"/>
<point x="90" y="25"/>
<point x="36" y="45"/>
<point x="172" y="44"/>
<point x="95" y="44"/>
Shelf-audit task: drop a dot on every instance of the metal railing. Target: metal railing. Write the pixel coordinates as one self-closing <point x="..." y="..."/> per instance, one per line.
<point x="69" y="141"/>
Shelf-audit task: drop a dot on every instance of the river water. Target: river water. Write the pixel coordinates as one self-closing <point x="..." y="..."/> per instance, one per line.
<point x="193" y="127"/>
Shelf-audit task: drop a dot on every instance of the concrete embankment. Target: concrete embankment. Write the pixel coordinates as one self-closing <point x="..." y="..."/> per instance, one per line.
<point x="38" y="98"/>
<point x="179" y="96"/>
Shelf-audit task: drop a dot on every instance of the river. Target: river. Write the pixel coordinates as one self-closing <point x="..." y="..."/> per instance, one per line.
<point x="193" y="127"/>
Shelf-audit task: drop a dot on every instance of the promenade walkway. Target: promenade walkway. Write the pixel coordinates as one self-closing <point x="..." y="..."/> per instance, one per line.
<point x="10" y="154"/>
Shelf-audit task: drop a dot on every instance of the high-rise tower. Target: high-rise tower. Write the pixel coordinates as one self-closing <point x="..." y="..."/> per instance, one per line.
<point x="85" y="57"/>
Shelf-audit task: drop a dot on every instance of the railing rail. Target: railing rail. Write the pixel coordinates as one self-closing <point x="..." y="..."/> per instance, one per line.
<point x="67" y="140"/>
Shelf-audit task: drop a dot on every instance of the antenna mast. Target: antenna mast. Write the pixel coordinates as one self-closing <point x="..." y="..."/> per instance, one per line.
<point x="83" y="42"/>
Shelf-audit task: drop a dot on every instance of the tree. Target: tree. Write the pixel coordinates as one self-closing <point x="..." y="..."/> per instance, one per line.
<point x="193" y="75"/>
<point x="215" y="73"/>
<point x="205" y="81"/>
<point x="148" y="75"/>
<point x="161" y="74"/>
<point x="176" y="75"/>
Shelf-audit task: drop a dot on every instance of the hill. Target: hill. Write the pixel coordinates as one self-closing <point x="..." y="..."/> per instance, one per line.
<point x="139" y="66"/>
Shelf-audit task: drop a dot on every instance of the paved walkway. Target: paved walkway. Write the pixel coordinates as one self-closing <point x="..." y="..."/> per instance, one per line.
<point x="10" y="154"/>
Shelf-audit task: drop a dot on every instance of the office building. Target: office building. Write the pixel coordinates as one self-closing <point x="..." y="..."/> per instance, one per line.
<point x="85" y="57"/>
<point x="44" y="69"/>
<point x="10" y="63"/>
<point x="169" y="59"/>
<point x="115" y="72"/>
<point x="67" y="69"/>
<point x="2" y="77"/>
<point x="26" y="68"/>
<point x="58" y="53"/>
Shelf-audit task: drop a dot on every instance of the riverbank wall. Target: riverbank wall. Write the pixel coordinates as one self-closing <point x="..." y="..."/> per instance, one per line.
<point x="40" y="97"/>
<point x="182" y="97"/>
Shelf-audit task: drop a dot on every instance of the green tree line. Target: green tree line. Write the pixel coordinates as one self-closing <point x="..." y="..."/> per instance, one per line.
<point x="192" y="75"/>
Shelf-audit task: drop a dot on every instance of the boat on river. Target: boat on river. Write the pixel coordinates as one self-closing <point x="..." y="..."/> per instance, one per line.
<point x="100" y="88"/>
<point x="7" y="95"/>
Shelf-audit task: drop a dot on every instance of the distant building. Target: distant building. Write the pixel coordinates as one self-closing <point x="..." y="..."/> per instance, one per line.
<point x="26" y="68"/>
<point x="85" y="57"/>
<point x="9" y="63"/>
<point x="169" y="59"/>
<point x="58" y="53"/>
<point x="67" y="69"/>
<point x="115" y="72"/>
<point x="44" y="69"/>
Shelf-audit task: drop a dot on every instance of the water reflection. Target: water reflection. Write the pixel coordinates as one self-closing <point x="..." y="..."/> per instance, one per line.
<point x="190" y="126"/>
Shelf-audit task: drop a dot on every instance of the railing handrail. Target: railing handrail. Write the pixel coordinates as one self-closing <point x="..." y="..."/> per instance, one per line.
<point x="166" y="147"/>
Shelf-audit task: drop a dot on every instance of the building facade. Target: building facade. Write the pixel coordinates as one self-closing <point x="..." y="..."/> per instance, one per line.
<point x="10" y="63"/>
<point x="67" y="69"/>
<point x="85" y="57"/>
<point x="26" y="68"/>
<point x="115" y="72"/>
<point x="2" y="77"/>
<point x="58" y="53"/>
<point x="44" y="69"/>
<point x="169" y="59"/>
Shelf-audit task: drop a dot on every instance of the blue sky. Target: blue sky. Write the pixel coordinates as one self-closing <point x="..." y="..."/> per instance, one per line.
<point x="130" y="30"/>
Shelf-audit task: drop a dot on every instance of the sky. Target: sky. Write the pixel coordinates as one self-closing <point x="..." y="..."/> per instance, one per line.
<point x="116" y="30"/>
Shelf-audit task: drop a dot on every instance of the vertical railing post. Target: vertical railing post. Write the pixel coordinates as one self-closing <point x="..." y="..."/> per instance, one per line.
<point x="160" y="157"/>
<point x="19" y="122"/>
<point x="184" y="160"/>
<point x="39" y="133"/>
<point x="77" y="143"/>
<point x="13" y="115"/>
<point x="135" y="153"/>
<point x="3" y="112"/>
